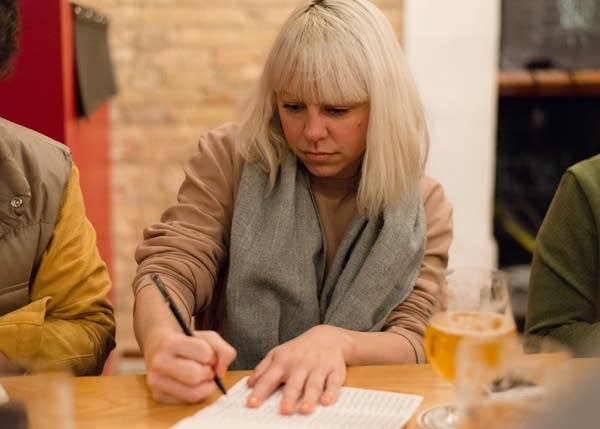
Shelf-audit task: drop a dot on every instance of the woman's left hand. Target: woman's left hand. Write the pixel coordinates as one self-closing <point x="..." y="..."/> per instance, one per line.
<point x="312" y="368"/>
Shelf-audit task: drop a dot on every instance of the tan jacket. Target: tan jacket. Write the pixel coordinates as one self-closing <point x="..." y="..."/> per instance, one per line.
<point x="189" y="247"/>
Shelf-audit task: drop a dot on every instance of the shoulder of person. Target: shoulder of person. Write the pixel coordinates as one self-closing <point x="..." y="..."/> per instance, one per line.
<point x="223" y="135"/>
<point x="588" y="168"/>
<point x="220" y="143"/>
<point x="22" y="141"/>
<point x="430" y="187"/>
<point x="582" y="178"/>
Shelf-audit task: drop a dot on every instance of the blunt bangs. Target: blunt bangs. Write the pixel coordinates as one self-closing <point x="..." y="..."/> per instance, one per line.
<point x="315" y="63"/>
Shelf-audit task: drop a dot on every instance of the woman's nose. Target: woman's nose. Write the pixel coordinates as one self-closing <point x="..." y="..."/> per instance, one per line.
<point x="315" y="127"/>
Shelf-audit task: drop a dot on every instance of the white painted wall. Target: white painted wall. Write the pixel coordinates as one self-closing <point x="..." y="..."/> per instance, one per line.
<point x="453" y="49"/>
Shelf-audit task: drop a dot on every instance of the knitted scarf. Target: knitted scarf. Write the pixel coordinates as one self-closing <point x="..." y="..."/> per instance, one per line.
<point x="277" y="287"/>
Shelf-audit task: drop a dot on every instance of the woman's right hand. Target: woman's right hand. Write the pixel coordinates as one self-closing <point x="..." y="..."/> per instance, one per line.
<point x="181" y="369"/>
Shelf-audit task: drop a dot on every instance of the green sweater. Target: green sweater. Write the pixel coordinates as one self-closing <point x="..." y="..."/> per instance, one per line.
<point x="564" y="288"/>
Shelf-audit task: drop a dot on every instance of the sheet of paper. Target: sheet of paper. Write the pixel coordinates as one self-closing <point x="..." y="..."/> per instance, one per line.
<point x="355" y="408"/>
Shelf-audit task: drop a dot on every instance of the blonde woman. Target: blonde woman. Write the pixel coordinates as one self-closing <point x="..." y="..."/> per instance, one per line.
<point x="306" y="237"/>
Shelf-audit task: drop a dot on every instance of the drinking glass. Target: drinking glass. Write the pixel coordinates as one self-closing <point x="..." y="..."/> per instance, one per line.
<point x="510" y="382"/>
<point x="474" y="302"/>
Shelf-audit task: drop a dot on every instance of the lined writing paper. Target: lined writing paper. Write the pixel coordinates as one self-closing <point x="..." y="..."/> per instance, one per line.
<point x="355" y="408"/>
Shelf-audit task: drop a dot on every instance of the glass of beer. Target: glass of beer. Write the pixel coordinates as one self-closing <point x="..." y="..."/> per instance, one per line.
<point x="474" y="302"/>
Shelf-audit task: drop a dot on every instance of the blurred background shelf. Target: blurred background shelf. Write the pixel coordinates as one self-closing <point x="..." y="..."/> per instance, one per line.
<point x="550" y="82"/>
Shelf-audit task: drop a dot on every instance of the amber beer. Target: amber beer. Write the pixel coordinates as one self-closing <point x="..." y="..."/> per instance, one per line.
<point x="447" y="328"/>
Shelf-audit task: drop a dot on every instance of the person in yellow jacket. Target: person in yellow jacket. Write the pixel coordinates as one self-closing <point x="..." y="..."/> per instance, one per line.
<point x="54" y="308"/>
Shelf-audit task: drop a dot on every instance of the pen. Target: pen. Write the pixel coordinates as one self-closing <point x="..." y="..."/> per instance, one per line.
<point x="186" y="329"/>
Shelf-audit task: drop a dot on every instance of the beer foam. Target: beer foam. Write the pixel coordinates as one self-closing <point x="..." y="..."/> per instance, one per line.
<point x="472" y="323"/>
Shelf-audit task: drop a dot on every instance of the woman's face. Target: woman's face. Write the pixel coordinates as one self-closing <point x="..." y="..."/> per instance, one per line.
<point x="329" y="140"/>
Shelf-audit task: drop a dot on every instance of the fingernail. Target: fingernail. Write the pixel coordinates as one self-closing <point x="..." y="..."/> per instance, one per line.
<point x="287" y="409"/>
<point x="326" y="399"/>
<point x="253" y="401"/>
<point x="305" y="408"/>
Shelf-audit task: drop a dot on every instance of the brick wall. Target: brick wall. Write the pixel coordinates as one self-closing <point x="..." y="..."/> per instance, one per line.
<point x="180" y="66"/>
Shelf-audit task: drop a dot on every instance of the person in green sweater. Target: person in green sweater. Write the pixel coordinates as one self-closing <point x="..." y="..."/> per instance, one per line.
<point x="564" y="287"/>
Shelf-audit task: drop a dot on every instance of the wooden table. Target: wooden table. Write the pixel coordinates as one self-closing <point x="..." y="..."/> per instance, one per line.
<point x="123" y="401"/>
<point x="126" y="398"/>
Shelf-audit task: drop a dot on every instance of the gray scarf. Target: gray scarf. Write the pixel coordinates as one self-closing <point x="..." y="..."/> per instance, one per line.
<point x="276" y="287"/>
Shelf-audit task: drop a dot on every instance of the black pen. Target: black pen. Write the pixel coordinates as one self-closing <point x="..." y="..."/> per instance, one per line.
<point x="186" y="329"/>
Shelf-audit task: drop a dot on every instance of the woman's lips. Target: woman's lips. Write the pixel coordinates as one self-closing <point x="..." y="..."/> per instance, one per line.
<point x="318" y="156"/>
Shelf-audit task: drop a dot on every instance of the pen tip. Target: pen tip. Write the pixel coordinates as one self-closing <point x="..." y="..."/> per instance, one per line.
<point x="220" y="385"/>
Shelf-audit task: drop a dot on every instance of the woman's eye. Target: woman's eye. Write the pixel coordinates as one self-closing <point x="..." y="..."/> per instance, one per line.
<point x="337" y="111"/>
<point x="292" y="107"/>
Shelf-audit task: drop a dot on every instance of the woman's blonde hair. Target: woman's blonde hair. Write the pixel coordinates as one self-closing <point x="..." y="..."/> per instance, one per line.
<point x="341" y="52"/>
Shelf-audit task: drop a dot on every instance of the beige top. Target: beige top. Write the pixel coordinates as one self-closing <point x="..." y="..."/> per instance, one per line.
<point x="189" y="247"/>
